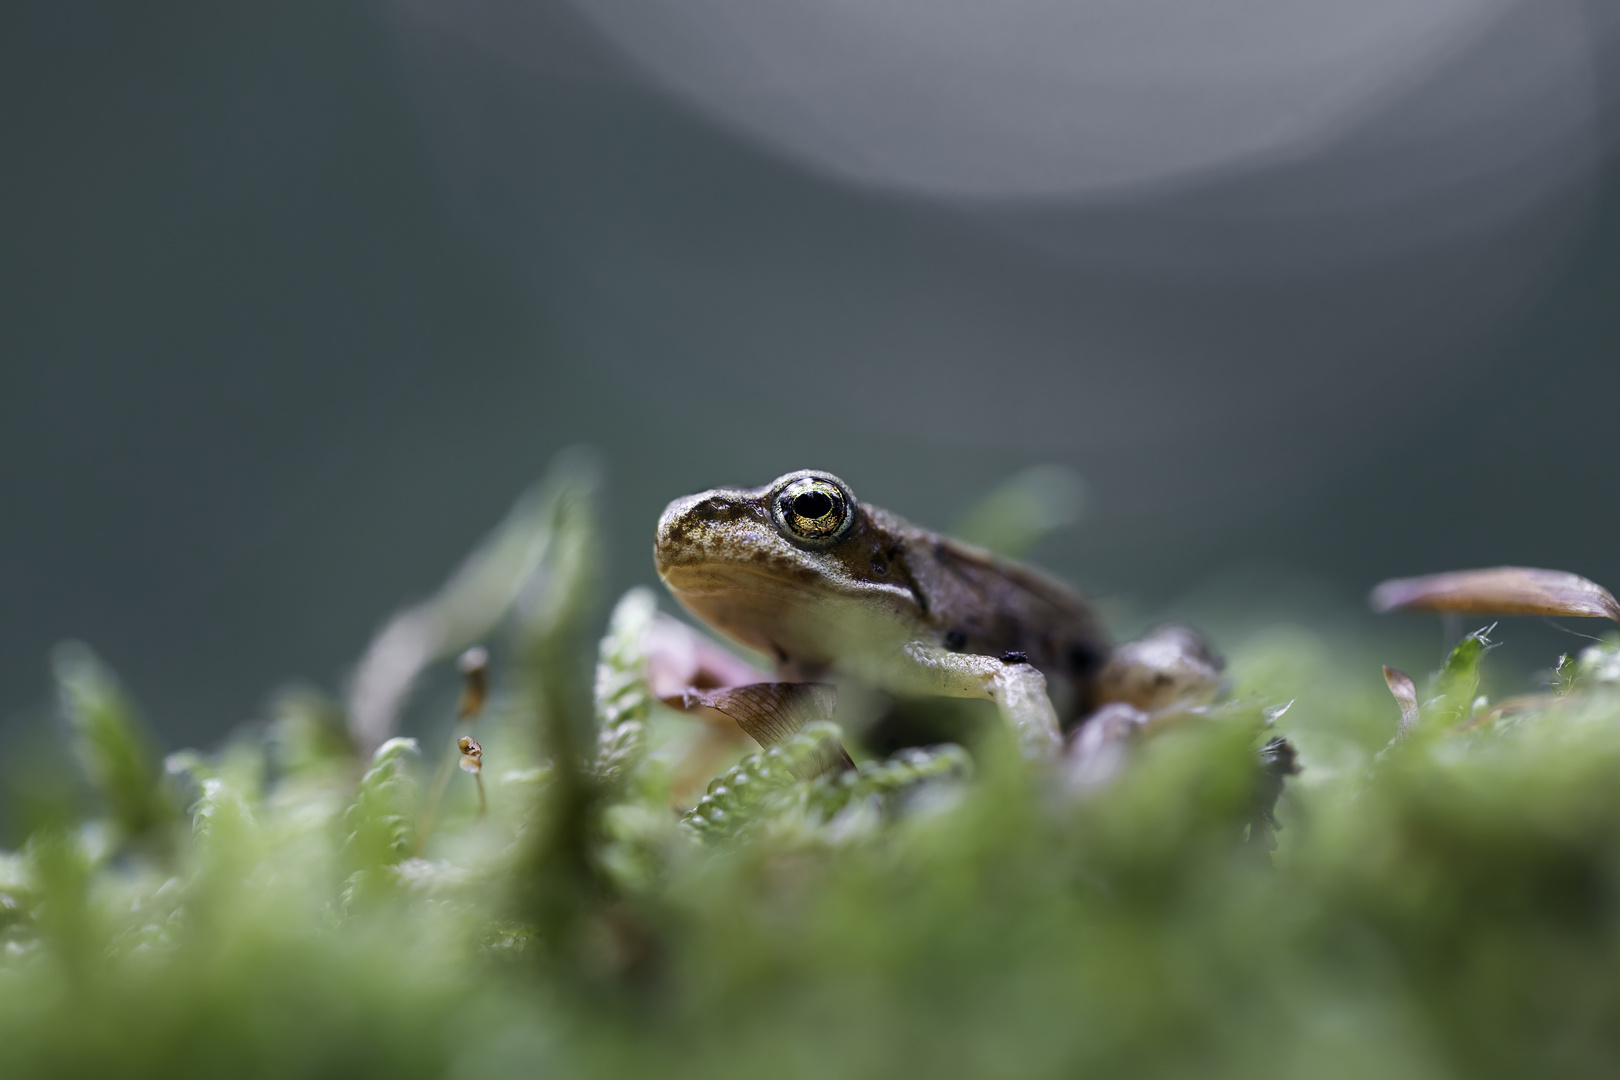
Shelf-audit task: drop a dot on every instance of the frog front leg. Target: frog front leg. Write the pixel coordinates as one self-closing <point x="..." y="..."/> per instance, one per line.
<point x="1016" y="686"/>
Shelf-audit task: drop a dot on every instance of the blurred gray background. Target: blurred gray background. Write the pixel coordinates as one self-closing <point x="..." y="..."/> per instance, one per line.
<point x="296" y="297"/>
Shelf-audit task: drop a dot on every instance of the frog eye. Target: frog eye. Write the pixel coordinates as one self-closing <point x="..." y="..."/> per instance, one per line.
<point x="814" y="509"/>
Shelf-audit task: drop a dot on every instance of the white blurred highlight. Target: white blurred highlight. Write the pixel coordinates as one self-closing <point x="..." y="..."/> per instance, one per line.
<point x="1066" y="99"/>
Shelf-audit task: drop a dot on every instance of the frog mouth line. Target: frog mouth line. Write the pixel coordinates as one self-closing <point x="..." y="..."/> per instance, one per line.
<point x="728" y="580"/>
<point x="717" y="579"/>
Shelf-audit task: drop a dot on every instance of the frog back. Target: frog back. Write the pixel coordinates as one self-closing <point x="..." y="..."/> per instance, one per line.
<point x="973" y="601"/>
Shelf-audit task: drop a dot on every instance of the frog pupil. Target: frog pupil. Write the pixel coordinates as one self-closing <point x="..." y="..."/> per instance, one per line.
<point x="812" y="504"/>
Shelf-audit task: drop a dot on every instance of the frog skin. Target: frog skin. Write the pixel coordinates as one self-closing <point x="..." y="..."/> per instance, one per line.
<point x="832" y="589"/>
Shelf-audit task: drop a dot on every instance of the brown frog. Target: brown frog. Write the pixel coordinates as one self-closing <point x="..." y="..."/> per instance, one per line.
<point x="833" y="589"/>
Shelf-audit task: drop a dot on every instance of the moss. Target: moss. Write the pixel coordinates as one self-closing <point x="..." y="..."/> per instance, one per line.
<point x="1443" y="906"/>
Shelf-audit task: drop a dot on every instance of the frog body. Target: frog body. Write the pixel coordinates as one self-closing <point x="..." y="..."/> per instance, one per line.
<point x="832" y="588"/>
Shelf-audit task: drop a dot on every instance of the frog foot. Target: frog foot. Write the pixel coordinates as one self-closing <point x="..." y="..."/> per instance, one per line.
<point x="1170" y="666"/>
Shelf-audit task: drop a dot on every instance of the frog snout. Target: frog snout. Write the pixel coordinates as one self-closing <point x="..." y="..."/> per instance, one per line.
<point x="680" y="524"/>
<point x="672" y="528"/>
<point x="687" y="527"/>
<point x="675" y="522"/>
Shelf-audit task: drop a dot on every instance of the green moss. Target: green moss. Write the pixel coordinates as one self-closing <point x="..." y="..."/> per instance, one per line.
<point x="1447" y="907"/>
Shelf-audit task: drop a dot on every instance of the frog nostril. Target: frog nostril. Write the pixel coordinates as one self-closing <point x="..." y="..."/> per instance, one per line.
<point x="718" y="509"/>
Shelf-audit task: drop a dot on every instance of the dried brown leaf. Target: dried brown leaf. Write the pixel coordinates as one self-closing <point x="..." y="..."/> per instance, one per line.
<point x="1501" y="590"/>
<point x="774" y="712"/>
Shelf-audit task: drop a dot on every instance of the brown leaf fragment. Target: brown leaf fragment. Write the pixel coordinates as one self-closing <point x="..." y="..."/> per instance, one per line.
<point x="1501" y="590"/>
<point x="1405" y="693"/>
<point x="773" y="712"/>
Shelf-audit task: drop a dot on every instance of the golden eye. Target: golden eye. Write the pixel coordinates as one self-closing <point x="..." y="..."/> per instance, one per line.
<point x="814" y="509"/>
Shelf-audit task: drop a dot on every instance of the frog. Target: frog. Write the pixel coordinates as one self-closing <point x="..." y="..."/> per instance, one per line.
<point x="832" y="589"/>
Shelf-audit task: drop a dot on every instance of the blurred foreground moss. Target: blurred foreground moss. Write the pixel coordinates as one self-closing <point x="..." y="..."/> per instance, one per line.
<point x="1442" y="906"/>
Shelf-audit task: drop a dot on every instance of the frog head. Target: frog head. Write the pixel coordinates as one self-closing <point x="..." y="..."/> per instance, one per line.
<point x="798" y="568"/>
